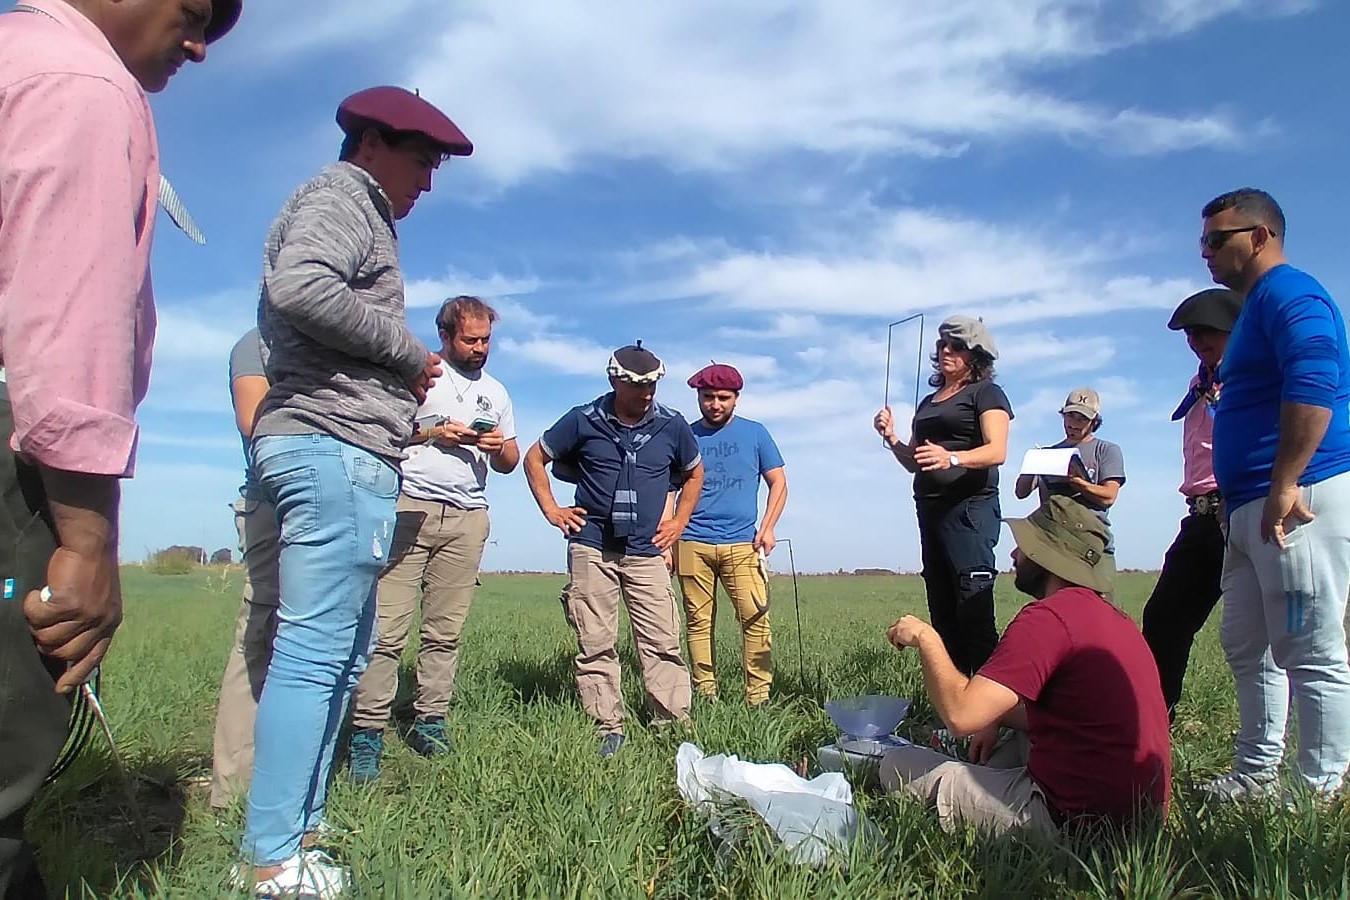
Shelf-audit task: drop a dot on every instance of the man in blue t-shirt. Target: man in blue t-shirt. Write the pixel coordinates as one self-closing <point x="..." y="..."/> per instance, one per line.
<point x="1282" y="461"/>
<point x="722" y="541"/>
<point x="623" y="451"/>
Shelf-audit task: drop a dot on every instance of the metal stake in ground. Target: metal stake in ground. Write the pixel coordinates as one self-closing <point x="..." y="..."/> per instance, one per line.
<point x="796" y="602"/>
<point x="918" y="364"/>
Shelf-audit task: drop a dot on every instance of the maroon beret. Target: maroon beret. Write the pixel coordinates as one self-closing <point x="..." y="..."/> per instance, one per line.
<point x="395" y="109"/>
<point x="224" y="13"/>
<point x="717" y="377"/>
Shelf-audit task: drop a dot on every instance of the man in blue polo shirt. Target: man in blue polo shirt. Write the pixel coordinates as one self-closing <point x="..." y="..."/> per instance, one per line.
<point x="722" y="542"/>
<point x="1282" y="460"/>
<point x="623" y="451"/>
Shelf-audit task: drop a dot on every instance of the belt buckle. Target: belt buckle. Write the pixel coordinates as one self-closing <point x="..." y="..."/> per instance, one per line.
<point x="1206" y="504"/>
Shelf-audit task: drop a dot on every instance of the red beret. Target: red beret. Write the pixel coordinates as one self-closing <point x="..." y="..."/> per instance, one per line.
<point x="224" y="13"/>
<point x="717" y="377"/>
<point x="395" y="109"/>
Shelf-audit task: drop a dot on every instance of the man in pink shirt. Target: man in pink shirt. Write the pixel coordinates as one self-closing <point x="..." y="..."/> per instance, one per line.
<point x="1188" y="586"/>
<point x="79" y="182"/>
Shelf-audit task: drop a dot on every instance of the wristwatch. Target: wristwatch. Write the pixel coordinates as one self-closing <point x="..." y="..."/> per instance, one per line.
<point x="952" y="461"/>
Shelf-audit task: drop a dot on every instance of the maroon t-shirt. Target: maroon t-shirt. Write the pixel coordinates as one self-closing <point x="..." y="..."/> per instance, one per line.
<point x="1100" y="742"/>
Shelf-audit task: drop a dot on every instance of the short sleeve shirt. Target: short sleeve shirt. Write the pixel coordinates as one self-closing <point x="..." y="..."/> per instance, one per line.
<point x="670" y="449"/>
<point x="1100" y="743"/>
<point x="458" y="475"/>
<point x="246" y="360"/>
<point x="1103" y="462"/>
<point x="735" y="458"/>
<point x="954" y="424"/>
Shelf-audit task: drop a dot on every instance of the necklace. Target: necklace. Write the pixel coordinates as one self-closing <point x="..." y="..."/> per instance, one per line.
<point x="468" y="383"/>
<point x="23" y="7"/>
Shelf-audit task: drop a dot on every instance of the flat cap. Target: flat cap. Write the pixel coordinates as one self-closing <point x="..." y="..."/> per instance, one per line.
<point x="396" y="109"/>
<point x="970" y="332"/>
<point x="1216" y="308"/>
<point x="717" y="377"/>
<point x="224" y="13"/>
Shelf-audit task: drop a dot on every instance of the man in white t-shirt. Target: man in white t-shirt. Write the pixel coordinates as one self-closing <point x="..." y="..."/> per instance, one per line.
<point x="465" y="427"/>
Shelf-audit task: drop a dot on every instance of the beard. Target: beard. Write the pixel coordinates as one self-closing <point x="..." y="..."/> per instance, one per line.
<point x="1031" y="578"/>
<point x="469" y="363"/>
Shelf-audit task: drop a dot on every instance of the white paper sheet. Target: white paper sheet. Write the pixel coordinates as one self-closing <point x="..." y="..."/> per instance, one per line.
<point x="1050" y="461"/>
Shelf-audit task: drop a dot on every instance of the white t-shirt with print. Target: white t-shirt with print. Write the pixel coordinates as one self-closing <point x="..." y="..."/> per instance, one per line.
<point x="457" y="475"/>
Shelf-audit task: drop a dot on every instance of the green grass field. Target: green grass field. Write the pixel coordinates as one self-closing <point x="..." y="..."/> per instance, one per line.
<point x="524" y="807"/>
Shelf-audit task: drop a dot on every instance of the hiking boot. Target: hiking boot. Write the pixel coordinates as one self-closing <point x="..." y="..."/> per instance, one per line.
<point x="1237" y="786"/>
<point x="428" y="737"/>
<point x="364" y="752"/>
<point x="611" y="744"/>
<point x="310" y="874"/>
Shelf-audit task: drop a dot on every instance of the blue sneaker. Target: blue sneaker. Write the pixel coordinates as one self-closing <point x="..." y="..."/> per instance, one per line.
<point x="428" y="737"/>
<point x="364" y="752"/>
<point x="611" y="744"/>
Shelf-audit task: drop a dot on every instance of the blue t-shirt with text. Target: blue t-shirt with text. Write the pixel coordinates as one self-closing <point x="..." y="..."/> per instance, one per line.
<point x="1288" y="346"/>
<point x="735" y="457"/>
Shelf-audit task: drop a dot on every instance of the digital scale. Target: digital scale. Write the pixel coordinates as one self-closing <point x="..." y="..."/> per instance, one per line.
<point x="867" y="727"/>
<point x="858" y="758"/>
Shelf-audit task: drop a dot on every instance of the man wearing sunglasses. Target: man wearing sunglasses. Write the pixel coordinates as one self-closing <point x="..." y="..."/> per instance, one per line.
<point x="1282" y="462"/>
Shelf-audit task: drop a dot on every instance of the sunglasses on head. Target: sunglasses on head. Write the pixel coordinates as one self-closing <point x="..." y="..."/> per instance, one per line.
<point x="1213" y="240"/>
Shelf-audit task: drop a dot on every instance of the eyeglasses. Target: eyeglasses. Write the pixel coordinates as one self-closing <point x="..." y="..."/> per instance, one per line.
<point x="1213" y="240"/>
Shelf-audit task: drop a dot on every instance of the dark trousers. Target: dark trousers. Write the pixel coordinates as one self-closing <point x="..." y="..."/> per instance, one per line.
<point x="1183" y="598"/>
<point x="34" y="719"/>
<point x="957" y="542"/>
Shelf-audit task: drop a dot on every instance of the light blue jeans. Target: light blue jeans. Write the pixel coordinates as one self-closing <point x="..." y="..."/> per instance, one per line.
<point x="335" y="509"/>
<point x="1283" y="633"/>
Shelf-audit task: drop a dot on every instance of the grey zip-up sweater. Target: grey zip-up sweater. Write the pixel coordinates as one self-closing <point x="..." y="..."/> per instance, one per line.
<point x="338" y="350"/>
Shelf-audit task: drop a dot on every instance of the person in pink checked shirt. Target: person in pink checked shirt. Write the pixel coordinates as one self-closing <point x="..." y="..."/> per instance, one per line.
<point x="79" y="182"/>
<point x="1188" y="586"/>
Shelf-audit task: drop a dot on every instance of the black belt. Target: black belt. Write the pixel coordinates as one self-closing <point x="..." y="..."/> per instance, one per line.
<point x="1204" y="504"/>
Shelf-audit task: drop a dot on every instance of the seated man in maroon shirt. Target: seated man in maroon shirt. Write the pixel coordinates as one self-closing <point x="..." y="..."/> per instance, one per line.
<point x="1074" y="679"/>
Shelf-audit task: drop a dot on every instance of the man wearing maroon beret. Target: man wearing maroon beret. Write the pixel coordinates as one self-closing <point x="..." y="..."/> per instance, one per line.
<point x="722" y="541"/>
<point x="346" y="376"/>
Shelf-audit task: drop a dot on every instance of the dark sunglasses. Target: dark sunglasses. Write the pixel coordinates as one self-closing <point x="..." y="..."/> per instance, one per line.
<point x="953" y="345"/>
<point x="1213" y="240"/>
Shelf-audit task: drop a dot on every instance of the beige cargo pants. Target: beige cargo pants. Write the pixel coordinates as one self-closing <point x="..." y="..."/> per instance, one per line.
<point x="996" y="797"/>
<point x="246" y="669"/>
<point x="699" y="567"/>
<point x="599" y="579"/>
<point x="435" y="554"/>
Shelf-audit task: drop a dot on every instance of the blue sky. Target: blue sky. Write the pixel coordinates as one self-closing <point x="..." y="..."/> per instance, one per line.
<point x="767" y="184"/>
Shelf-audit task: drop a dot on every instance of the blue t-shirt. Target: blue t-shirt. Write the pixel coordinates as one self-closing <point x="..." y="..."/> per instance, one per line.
<point x="735" y="457"/>
<point x="1289" y="345"/>
<point x="668" y="452"/>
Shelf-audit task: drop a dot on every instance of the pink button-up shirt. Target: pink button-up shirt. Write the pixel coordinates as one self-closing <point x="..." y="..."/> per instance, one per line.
<point x="79" y="180"/>
<point x="1197" y="448"/>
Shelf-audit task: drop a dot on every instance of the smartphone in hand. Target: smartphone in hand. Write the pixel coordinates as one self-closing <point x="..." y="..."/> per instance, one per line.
<point x="482" y="425"/>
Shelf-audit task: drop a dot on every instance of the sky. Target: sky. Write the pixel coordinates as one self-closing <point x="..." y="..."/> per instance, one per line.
<point x="766" y="184"/>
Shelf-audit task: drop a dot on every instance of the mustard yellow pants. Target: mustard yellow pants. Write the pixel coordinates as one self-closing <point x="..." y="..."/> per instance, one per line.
<point x="699" y="567"/>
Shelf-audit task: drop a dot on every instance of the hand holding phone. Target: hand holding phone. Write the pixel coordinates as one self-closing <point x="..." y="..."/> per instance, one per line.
<point x="482" y="425"/>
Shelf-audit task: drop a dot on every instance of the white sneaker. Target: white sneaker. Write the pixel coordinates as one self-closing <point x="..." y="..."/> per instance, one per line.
<point x="1237" y="786"/>
<point x="310" y="874"/>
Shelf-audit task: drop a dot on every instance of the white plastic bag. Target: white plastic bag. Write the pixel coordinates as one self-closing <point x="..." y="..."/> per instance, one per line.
<point x="812" y="818"/>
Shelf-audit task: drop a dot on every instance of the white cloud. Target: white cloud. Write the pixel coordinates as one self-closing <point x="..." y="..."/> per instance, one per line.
<point x="551" y="86"/>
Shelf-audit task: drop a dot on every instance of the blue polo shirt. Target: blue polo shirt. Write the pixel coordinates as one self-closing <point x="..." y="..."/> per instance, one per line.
<point x="583" y="438"/>
<point x="735" y="457"/>
<point x="1289" y="345"/>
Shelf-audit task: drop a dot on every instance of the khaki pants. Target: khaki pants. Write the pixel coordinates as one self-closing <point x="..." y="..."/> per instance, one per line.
<point x="591" y="603"/>
<point x="246" y="669"/>
<point x="997" y="797"/>
<point x="435" y="553"/>
<point x="699" y="567"/>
